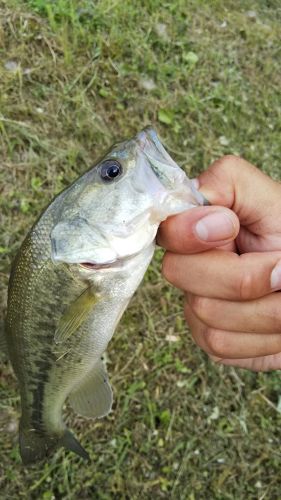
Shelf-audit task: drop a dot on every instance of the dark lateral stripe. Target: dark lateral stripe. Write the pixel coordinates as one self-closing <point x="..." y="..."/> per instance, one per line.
<point x="42" y="368"/>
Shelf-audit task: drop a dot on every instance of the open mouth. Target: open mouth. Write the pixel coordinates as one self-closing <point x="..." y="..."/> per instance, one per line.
<point x="107" y="265"/>
<point x="92" y="265"/>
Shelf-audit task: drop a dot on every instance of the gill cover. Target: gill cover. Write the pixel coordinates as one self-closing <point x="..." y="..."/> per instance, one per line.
<point x="74" y="240"/>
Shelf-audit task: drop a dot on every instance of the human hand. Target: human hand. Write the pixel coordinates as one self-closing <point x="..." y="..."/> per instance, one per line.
<point x="227" y="259"/>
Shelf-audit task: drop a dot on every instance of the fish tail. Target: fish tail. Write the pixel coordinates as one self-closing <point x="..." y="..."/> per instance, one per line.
<point x="36" y="446"/>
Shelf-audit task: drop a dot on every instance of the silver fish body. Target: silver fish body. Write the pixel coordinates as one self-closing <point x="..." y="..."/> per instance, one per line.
<point x="73" y="278"/>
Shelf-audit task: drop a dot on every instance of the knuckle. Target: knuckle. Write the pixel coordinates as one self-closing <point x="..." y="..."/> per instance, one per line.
<point x="226" y="167"/>
<point x="231" y="160"/>
<point x="199" y="305"/>
<point x="246" y="286"/>
<point x="274" y="316"/>
<point x="215" y="342"/>
<point x="226" y="162"/>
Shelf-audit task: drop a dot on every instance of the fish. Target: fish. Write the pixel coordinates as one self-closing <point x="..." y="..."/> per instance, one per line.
<point x="73" y="278"/>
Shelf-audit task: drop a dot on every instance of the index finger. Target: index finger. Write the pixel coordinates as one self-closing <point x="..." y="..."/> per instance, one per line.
<point x="224" y="275"/>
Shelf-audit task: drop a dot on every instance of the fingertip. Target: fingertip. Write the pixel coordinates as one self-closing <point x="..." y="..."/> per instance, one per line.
<point x="210" y="196"/>
<point x="165" y="237"/>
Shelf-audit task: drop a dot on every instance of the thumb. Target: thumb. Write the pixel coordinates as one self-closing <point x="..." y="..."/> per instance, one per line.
<point x="198" y="229"/>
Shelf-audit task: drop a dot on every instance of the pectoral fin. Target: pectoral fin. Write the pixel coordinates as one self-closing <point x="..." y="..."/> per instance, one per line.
<point x="93" y="397"/>
<point x="75" y="315"/>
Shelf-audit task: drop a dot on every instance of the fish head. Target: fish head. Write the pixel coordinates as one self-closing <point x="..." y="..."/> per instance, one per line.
<point x="113" y="211"/>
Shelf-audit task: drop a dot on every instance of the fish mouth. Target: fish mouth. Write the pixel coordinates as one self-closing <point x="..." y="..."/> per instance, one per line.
<point x="173" y="183"/>
<point x="92" y="265"/>
<point x="115" y="264"/>
<point x="96" y="267"/>
<point x="162" y="164"/>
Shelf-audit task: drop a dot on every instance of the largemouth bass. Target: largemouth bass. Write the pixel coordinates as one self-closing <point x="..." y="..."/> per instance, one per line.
<point x="72" y="279"/>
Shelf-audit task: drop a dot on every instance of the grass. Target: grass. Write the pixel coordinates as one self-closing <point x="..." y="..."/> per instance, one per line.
<point x="74" y="78"/>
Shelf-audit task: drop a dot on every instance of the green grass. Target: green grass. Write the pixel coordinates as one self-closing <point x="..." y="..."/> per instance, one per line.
<point x="181" y="428"/>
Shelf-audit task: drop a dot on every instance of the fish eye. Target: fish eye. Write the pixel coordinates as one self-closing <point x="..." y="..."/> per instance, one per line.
<point x="110" y="169"/>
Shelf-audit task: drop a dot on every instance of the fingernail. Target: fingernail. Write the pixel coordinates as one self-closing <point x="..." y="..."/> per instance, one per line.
<point x="214" y="227"/>
<point x="275" y="278"/>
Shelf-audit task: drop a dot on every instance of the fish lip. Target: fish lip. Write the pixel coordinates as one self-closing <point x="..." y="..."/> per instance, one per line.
<point x="149" y="134"/>
<point x="157" y="156"/>
<point x="97" y="266"/>
<point x="93" y="266"/>
<point x="174" y="180"/>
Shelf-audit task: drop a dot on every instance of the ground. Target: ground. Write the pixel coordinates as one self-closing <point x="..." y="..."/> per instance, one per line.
<point x="75" y="76"/>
